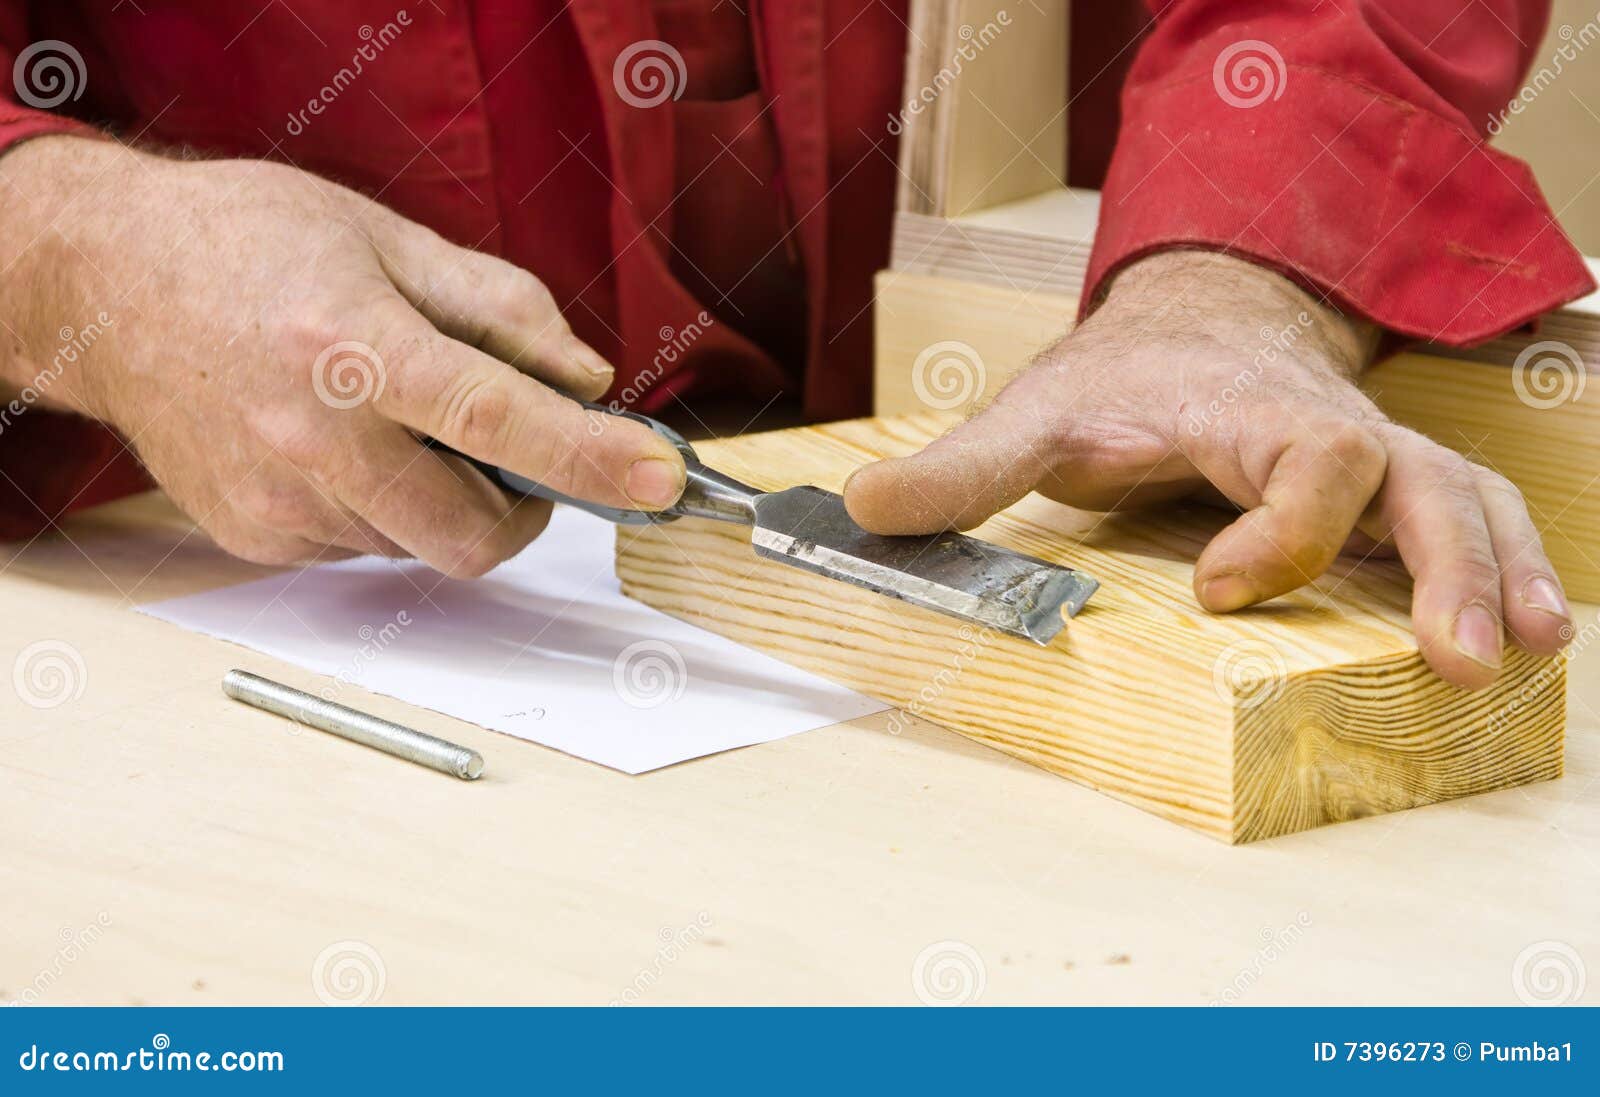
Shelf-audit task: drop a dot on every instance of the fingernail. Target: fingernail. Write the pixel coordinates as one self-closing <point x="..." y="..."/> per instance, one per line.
<point x="1227" y="593"/>
<point x="844" y="489"/>
<point x="1541" y="593"/>
<point x="654" y="482"/>
<point x="584" y="357"/>
<point x="1478" y="635"/>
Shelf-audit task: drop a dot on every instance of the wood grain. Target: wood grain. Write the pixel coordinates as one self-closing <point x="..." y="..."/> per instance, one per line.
<point x="1543" y="442"/>
<point x="1314" y="709"/>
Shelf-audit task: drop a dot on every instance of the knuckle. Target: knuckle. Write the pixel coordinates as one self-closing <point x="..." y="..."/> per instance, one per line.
<point x="478" y="413"/>
<point x="1494" y="484"/>
<point x="308" y="327"/>
<point x="282" y="508"/>
<point x="562" y="462"/>
<point x="483" y="553"/>
<point x="523" y="295"/>
<point x="269" y="553"/>
<point x="1359" y="451"/>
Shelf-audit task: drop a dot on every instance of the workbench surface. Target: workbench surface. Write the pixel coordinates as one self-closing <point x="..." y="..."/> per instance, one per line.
<point x="166" y="845"/>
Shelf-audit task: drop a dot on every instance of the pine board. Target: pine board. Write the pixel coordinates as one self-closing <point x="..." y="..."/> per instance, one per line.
<point x="1315" y="709"/>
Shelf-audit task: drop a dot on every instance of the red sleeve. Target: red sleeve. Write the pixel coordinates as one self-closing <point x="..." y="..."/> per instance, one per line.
<point x="1342" y="143"/>
<point x="50" y="463"/>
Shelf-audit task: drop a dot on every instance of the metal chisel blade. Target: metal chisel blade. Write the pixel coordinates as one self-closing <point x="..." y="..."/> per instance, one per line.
<point x="988" y="585"/>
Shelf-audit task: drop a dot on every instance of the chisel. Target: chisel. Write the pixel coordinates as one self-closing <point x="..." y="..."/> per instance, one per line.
<point x="808" y="528"/>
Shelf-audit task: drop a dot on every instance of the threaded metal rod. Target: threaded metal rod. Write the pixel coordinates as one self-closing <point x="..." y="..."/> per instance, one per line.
<point x="348" y="723"/>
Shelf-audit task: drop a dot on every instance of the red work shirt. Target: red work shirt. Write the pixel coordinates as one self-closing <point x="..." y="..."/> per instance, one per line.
<point x="1340" y="142"/>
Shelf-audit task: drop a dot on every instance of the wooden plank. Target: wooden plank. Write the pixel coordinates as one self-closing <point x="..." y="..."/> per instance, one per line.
<point x="1314" y="709"/>
<point x="983" y="118"/>
<point x="1544" y="441"/>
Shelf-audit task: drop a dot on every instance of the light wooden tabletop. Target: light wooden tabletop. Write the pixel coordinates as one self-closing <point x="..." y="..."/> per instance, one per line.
<point x="165" y="845"/>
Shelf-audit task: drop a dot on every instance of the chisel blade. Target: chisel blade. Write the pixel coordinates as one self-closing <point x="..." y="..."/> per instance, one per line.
<point x="951" y="573"/>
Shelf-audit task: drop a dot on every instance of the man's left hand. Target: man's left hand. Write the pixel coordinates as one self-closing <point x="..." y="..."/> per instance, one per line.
<point x="1206" y="376"/>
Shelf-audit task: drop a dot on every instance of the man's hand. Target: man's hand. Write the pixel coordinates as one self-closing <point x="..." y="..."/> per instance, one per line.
<point x="279" y="343"/>
<point x="1204" y="375"/>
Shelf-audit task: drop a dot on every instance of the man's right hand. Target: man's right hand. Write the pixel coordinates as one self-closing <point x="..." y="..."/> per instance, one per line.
<point x="279" y="343"/>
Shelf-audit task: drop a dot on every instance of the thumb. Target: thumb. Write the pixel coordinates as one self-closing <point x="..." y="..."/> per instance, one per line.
<point x="958" y="481"/>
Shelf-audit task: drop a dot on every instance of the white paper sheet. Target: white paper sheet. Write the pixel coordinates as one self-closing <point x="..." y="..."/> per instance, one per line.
<point x="545" y="648"/>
